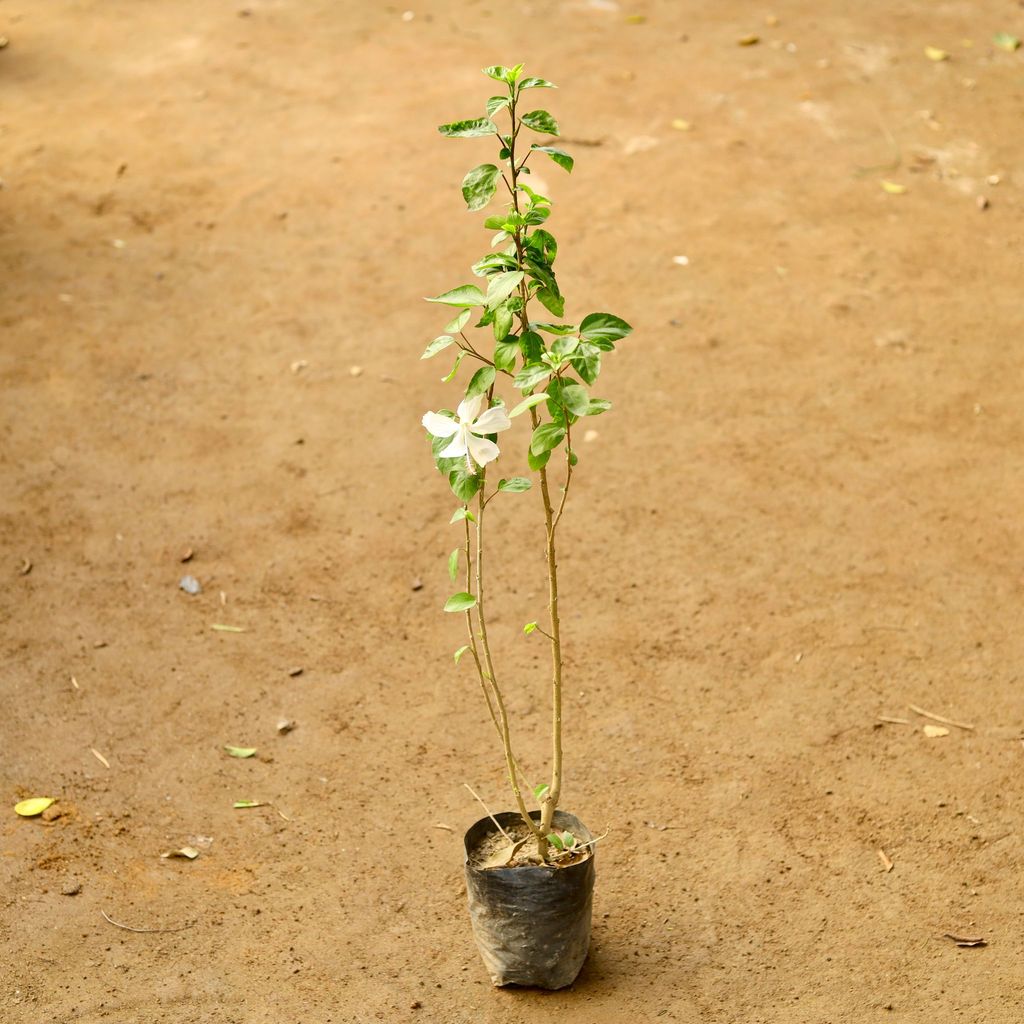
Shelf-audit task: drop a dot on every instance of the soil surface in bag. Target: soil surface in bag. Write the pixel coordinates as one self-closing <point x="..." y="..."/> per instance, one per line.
<point x="531" y="923"/>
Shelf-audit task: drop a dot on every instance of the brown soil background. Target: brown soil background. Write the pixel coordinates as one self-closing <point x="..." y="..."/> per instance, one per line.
<point x="803" y="512"/>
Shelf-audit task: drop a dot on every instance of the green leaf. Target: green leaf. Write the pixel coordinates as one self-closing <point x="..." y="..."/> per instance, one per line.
<point x="536" y="462"/>
<point x="459" y="602"/>
<point x="558" y="155"/>
<point x="439" y="344"/>
<point x="596" y="407"/>
<point x="573" y="458"/>
<point x="480" y="381"/>
<point x="540" y="121"/>
<point x="460" y="321"/>
<point x="455" y="368"/>
<point x="240" y="751"/>
<point x="556" y="841"/>
<point x="553" y="303"/>
<point x="502" y="324"/>
<point x="460" y="652"/>
<point x="603" y="329"/>
<point x="529" y="628"/>
<point x="244" y="804"/>
<point x="564" y="346"/>
<point x="501" y="286"/>
<point x="569" y="840"/>
<point x="555" y="328"/>
<point x="532" y="345"/>
<point x="505" y="354"/>
<point x="586" y="361"/>
<point x="465" y="295"/>
<point x="495" y="221"/>
<point x="453" y="564"/>
<point x="576" y="399"/>
<point x="514" y="485"/>
<point x="462" y="513"/>
<point x="464" y="484"/>
<point x="479" y="186"/>
<point x="498" y="72"/>
<point x="515" y="72"/>
<point x="528" y="403"/>
<point x="536" y="83"/>
<point x="470" y="129"/>
<point x="542" y="790"/>
<point x="531" y="376"/>
<point x="546" y="437"/>
<point x="1004" y="40"/>
<point x="496" y="103"/>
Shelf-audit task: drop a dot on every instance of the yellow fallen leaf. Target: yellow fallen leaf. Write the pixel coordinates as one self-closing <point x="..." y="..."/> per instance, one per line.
<point x="934" y="731"/>
<point x="240" y="751"/>
<point x="680" y="125"/>
<point x="1006" y="42"/>
<point x="893" y="188"/>
<point x="934" y="53"/>
<point x="188" y="852"/>
<point x="30" y="808"/>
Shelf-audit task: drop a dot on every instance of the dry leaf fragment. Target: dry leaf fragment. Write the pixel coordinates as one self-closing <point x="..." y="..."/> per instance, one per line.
<point x="893" y="188"/>
<point x="934" y="53"/>
<point x="36" y="805"/>
<point x="227" y="629"/>
<point x="886" y="863"/>
<point x="934" y="731"/>
<point x="965" y="941"/>
<point x="187" y="555"/>
<point x="26" y="567"/>
<point x="297" y="671"/>
<point x="681" y="125"/>
<point x="187" y="852"/>
<point x="748" y="40"/>
<point x="894" y="721"/>
<point x="99" y="757"/>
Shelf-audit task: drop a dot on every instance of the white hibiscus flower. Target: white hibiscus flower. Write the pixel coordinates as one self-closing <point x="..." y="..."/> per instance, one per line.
<point x="465" y="431"/>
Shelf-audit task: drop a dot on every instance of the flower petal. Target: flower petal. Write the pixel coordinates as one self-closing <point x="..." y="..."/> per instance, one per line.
<point x="438" y="425"/>
<point x="457" y="448"/>
<point x="469" y="408"/>
<point x="481" y="451"/>
<point x="495" y="419"/>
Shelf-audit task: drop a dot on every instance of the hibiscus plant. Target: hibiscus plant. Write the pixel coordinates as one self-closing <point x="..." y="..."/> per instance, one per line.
<point x="551" y="365"/>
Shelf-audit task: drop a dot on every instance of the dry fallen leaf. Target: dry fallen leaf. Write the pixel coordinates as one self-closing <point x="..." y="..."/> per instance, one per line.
<point x="187" y="852"/>
<point x="748" y="40"/>
<point x="934" y="731"/>
<point x="893" y="188"/>
<point x="886" y="863"/>
<point x="30" y="808"/>
<point x="965" y="940"/>
<point x="934" y="53"/>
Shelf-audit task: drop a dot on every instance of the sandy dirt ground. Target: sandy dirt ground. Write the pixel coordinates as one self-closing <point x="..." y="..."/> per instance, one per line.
<point x="803" y="513"/>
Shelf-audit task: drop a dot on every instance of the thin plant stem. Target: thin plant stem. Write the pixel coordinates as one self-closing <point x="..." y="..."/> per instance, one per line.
<point x="506" y="741"/>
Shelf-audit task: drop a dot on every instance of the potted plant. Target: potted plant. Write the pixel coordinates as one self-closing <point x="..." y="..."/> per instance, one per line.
<point x="530" y="873"/>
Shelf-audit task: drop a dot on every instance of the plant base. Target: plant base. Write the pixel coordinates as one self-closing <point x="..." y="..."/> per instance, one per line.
<point x="531" y="923"/>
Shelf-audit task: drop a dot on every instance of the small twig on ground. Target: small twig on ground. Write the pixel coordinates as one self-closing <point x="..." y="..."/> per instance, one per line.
<point x="894" y="721"/>
<point x="144" y="931"/>
<point x="938" y="718"/>
<point x="886" y="862"/>
<point x="489" y="815"/>
<point x="99" y="757"/>
<point x="446" y="828"/>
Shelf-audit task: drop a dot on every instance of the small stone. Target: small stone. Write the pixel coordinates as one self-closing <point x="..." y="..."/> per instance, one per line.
<point x="187" y="555"/>
<point x="190" y="585"/>
<point x="285" y="725"/>
<point x="72" y="887"/>
<point x="982" y="202"/>
<point x="297" y="671"/>
<point x="52" y="813"/>
<point x="355" y="371"/>
<point x="408" y="15"/>
<point x="417" y="584"/>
